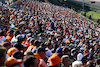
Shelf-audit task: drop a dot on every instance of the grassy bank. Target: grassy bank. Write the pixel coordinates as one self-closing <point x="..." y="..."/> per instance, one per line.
<point x="94" y="15"/>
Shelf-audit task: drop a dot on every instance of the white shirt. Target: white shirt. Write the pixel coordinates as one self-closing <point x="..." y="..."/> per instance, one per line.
<point x="48" y="52"/>
<point x="14" y="40"/>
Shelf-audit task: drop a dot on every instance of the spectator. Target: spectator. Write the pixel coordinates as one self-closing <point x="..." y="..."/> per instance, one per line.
<point x="30" y="61"/>
<point x="2" y="36"/>
<point x="12" y="62"/>
<point x="10" y="35"/>
<point x="48" y="52"/>
<point x="67" y="51"/>
<point x="2" y="56"/>
<point x="14" y="40"/>
<point x="41" y="51"/>
<point x="7" y="45"/>
<point x="66" y="61"/>
<point x="98" y="62"/>
<point x="37" y="44"/>
<point x="64" y="28"/>
<point x="19" y="45"/>
<point x="90" y="62"/>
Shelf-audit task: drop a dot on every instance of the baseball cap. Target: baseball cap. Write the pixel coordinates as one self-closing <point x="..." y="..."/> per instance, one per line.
<point x="73" y="50"/>
<point x="11" y="60"/>
<point x="81" y="49"/>
<point x="27" y="31"/>
<point x="37" y="42"/>
<point x="23" y="22"/>
<point x="28" y="39"/>
<point x="29" y="35"/>
<point x="12" y="50"/>
<point x="64" y="56"/>
<point x="32" y="40"/>
<point x="19" y="37"/>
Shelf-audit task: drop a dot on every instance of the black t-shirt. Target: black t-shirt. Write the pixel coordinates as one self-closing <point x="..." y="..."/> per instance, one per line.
<point x="18" y="46"/>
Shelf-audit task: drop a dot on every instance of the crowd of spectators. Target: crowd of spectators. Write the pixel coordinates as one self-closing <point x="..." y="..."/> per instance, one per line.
<point x="39" y="34"/>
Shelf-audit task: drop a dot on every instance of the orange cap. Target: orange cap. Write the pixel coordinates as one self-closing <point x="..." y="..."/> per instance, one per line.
<point x="54" y="60"/>
<point x="12" y="50"/>
<point x="11" y="60"/>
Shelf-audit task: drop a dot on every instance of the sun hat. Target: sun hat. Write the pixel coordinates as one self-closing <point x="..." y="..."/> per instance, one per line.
<point x="54" y="59"/>
<point x="12" y="50"/>
<point x="11" y="60"/>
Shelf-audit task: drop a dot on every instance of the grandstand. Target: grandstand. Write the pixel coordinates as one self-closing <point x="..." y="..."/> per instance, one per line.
<point x="40" y="34"/>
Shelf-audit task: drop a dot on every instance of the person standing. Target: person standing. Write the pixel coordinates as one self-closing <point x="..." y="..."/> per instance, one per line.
<point x="2" y="56"/>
